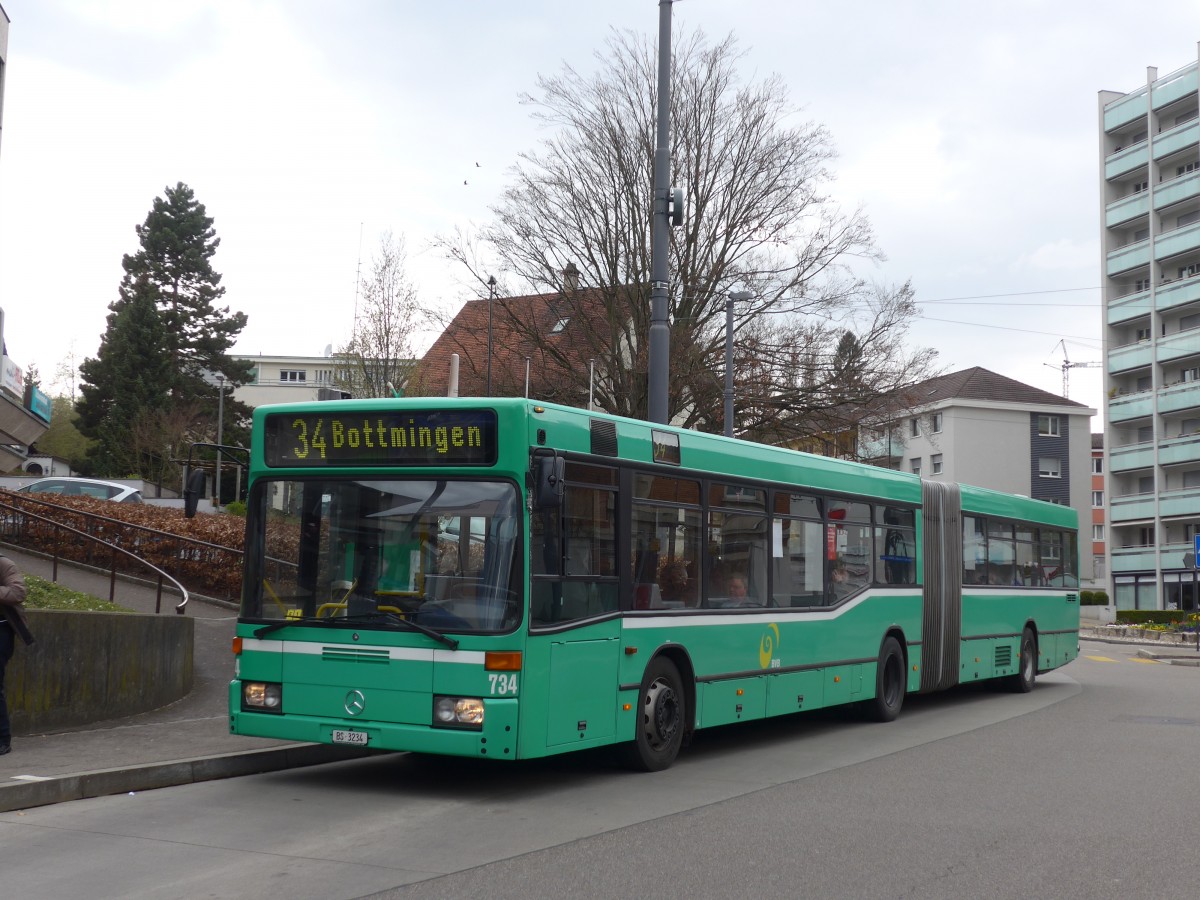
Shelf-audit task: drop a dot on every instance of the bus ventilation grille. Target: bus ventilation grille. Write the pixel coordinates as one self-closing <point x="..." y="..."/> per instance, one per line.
<point x="354" y="655"/>
<point x="604" y="438"/>
<point x="1003" y="657"/>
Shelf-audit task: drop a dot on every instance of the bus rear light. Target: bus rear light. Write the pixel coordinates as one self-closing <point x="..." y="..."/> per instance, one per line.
<point x="237" y="646"/>
<point x="502" y="661"/>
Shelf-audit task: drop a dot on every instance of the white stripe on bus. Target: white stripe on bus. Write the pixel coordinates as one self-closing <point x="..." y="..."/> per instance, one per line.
<point x="779" y="613"/>
<point x="406" y="654"/>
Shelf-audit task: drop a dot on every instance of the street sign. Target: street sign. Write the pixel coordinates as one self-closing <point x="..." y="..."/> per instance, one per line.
<point x="1196" y="555"/>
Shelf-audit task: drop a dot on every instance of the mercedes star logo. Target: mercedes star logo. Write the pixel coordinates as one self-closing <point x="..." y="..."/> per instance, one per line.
<point x="355" y="702"/>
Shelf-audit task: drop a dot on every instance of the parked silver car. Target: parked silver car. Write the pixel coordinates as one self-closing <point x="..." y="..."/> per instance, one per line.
<point x="83" y="487"/>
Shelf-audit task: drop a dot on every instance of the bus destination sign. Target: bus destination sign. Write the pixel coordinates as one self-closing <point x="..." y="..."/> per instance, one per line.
<point x="385" y="438"/>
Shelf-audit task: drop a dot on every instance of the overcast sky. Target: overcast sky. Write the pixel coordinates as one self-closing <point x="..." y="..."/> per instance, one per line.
<point x="967" y="132"/>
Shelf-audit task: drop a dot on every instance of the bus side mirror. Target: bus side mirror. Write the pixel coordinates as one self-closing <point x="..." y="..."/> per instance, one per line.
<point x="549" y="482"/>
<point x="196" y="483"/>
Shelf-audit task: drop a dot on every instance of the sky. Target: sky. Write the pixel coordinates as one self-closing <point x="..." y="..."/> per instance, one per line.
<point x="966" y="133"/>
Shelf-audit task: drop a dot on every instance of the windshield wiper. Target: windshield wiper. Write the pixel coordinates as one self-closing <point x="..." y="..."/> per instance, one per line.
<point x="393" y="619"/>
<point x="389" y="618"/>
<point x="260" y="633"/>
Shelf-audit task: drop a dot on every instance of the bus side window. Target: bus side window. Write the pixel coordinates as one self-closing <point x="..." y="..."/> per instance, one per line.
<point x="573" y="550"/>
<point x="895" y="546"/>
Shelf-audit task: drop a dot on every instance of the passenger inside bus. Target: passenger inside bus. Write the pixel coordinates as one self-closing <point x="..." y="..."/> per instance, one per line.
<point x="676" y="586"/>
<point x="739" y="594"/>
<point x="840" y="584"/>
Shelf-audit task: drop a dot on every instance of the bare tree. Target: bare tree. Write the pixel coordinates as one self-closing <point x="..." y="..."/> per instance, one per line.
<point x="758" y="219"/>
<point x="379" y="353"/>
<point x="842" y="374"/>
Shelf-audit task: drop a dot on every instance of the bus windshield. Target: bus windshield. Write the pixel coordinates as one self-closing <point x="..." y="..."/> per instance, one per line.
<point x="438" y="552"/>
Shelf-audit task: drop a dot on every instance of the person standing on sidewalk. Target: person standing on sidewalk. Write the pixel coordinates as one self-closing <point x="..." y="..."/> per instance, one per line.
<point x="12" y="624"/>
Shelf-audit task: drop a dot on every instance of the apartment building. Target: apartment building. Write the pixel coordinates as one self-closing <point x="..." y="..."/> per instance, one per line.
<point x="1150" y="263"/>
<point x="288" y="379"/>
<point x="1099" y="519"/>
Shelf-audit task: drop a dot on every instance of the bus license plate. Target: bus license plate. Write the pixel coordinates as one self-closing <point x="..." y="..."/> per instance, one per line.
<point x="355" y="738"/>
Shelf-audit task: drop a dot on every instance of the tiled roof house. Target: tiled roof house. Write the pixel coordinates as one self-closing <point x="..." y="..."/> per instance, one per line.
<point x="559" y="333"/>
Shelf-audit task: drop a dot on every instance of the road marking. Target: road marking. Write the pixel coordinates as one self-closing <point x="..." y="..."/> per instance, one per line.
<point x="1101" y="659"/>
<point x="1153" y="662"/>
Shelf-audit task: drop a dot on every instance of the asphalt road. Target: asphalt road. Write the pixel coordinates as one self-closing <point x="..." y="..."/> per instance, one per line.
<point x="1080" y="789"/>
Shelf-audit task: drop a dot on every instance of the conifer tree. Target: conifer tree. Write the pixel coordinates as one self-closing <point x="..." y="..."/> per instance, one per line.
<point x="152" y="388"/>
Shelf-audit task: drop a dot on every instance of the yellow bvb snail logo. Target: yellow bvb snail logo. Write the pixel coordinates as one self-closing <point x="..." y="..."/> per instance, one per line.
<point x="767" y="645"/>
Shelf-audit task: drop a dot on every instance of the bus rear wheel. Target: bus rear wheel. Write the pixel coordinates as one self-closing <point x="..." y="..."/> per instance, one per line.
<point x="662" y="719"/>
<point x="889" y="683"/>
<point x="1023" y="681"/>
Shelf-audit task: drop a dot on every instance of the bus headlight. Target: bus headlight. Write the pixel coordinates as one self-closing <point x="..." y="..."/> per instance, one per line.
<point x="262" y="696"/>
<point x="458" y="712"/>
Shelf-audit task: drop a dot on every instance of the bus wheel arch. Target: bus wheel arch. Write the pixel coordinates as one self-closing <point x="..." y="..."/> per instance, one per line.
<point x="891" y="678"/>
<point x="665" y="717"/>
<point x="1027" y="662"/>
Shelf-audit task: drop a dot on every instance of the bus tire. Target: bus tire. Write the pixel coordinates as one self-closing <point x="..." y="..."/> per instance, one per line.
<point x="662" y="719"/>
<point x="889" y="683"/>
<point x="1023" y="681"/>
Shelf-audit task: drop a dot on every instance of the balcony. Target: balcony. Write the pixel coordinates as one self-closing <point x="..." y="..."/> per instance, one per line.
<point x="1126" y="408"/>
<point x="1180" y="450"/>
<point x="1176" y="346"/>
<point x="1128" y="257"/>
<point x="1177" y="293"/>
<point x="1131" y="458"/>
<point x="1126" y="160"/>
<point x="1131" y="306"/>
<point x="1181" y="137"/>
<point x="1127" y="109"/>
<point x="1184" y="502"/>
<point x="1131" y="508"/>
<point x="1131" y="356"/>
<point x="1172" y="86"/>
<point x="1179" y="397"/>
<point x="1176" y="242"/>
<point x="1176" y="190"/>
<point x="1141" y="559"/>
<point x="1128" y="208"/>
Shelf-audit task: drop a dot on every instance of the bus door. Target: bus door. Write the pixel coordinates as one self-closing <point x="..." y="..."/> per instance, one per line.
<point x="573" y="596"/>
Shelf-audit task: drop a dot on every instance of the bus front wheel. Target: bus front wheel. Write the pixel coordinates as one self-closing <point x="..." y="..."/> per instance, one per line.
<point x="889" y="682"/>
<point x="1022" y="682"/>
<point x="662" y="719"/>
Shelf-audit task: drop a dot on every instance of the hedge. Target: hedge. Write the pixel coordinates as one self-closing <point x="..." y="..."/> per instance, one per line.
<point x="1155" y="616"/>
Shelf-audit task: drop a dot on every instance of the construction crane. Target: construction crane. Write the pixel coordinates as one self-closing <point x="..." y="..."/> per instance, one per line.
<point x="1067" y="366"/>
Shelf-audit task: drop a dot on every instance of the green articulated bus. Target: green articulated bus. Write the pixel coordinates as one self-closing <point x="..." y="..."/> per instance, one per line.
<point x="506" y="579"/>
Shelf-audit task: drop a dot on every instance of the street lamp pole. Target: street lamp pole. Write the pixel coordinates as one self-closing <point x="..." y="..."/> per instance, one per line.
<point x="220" y="431"/>
<point x="729" y="301"/>
<point x="491" y="282"/>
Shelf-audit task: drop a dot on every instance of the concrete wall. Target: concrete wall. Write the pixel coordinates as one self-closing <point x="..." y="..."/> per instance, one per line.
<point x="88" y="666"/>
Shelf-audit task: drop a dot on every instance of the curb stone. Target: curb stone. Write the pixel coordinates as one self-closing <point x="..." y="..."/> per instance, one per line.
<point x="18" y="794"/>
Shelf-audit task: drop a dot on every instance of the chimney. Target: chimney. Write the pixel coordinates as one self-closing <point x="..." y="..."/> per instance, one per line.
<point x="570" y="278"/>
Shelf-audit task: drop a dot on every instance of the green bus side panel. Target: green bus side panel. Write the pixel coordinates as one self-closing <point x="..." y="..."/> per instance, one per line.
<point x="571" y="678"/>
<point x="580" y="708"/>
<point x="791" y="692"/>
<point x="735" y="700"/>
<point x="844" y="684"/>
<point x="993" y="624"/>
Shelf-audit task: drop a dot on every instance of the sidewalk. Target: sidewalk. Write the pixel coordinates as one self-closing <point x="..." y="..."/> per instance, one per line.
<point x="184" y="742"/>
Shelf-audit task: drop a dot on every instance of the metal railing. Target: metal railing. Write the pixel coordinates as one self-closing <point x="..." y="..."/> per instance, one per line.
<point x="33" y="531"/>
